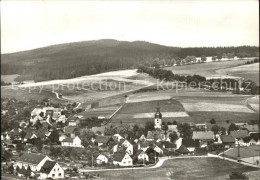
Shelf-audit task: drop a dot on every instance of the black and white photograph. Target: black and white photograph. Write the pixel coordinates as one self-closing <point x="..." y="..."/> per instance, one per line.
<point x="130" y="89"/>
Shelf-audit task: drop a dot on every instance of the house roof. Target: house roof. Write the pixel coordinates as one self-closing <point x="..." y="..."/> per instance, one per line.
<point x="28" y="135"/>
<point x="68" y="139"/>
<point x="144" y="144"/>
<point x="203" y="135"/>
<point x="139" y="152"/>
<point x="190" y="143"/>
<point x="31" y="158"/>
<point x="47" y="167"/>
<point x="102" y="139"/>
<point x="252" y="128"/>
<point x="172" y="128"/>
<point x="255" y="136"/>
<point x="100" y="129"/>
<point x="119" y="156"/>
<point x="101" y="155"/>
<point x="227" y="139"/>
<point x="239" y="133"/>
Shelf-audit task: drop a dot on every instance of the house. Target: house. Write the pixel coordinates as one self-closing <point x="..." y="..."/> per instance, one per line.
<point x="252" y="139"/>
<point x="126" y="146"/>
<point x="62" y="118"/>
<point x="72" y="142"/>
<point x="117" y="137"/>
<point x="122" y="159"/>
<point x="143" y="146"/>
<point x="183" y="150"/>
<point x="156" y="148"/>
<point x="141" y="156"/>
<point x="102" y="140"/>
<point x="191" y="144"/>
<point x="142" y="138"/>
<point x="200" y="127"/>
<point x="203" y="136"/>
<point x="62" y="137"/>
<point x="157" y="135"/>
<point x="51" y="169"/>
<point x="99" y="130"/>
<point x="35" y="161"/>
<point x="102" y="159"/>
<point x="70" y="131"/>
<point x="228" y="141"/>
<point x="169" y="146"/>
<point x="24" y="173"/>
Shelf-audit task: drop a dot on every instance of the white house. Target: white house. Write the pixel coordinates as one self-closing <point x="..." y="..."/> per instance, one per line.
<point x="122" y="159"/>
<point x="102" y="159"/>
<point x="51" y="169"/>
<point x="126" y="144"/>
<point x="35" y="161"/>
<point x="72" y="142"/>
<point x="117" y="137"/>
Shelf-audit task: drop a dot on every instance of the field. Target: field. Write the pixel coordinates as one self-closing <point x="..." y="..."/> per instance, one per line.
<point x="9" y="78"/>
<point x="25" y="94"/>
<point x="206" y="69"/>
<point x="250" y="71"/>
<point x="199" y="168"/>
<point x="191" y="105"/>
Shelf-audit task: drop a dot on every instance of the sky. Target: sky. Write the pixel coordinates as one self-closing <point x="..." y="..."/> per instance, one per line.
<point x="32" y="24"/>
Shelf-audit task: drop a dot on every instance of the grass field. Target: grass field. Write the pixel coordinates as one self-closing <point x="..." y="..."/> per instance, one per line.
<point x="24" y="95"/>
<point x="250" y="71"/>
<point x="199" y="168"/>
<point x="9" y="78"/>
<point x="205" y="69"/>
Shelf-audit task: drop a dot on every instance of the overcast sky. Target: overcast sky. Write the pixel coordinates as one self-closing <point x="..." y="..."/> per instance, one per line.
<point x="33" y="24"/>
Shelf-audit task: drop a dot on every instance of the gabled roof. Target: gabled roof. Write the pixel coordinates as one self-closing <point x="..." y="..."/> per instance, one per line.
<point x="203" y="135"/>
<point x="47" y="167"/>
<point x="252" y="128"/>
<point x="119" y="156"/>
<point x="102" y="139"/>
<point x="31" y="158"/>
<point x="227" y="139"/>
<point x="239" y="133"/>
<point x="255" y="136"/>
<point x="68" y="139"/>
<point x="190" y="143"/>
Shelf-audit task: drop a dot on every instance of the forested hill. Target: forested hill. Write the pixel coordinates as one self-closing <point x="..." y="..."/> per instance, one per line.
<point x="91" y="57"/>
<point x="82" y="58"/>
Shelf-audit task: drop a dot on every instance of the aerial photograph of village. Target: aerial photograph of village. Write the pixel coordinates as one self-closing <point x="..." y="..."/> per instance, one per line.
<point x="130" y="90"/>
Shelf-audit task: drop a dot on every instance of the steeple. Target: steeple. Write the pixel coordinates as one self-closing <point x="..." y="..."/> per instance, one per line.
<point x="158" y="118"/>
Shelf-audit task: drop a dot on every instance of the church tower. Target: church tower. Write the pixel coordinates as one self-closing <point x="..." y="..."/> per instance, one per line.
<point x="158" y="118"/>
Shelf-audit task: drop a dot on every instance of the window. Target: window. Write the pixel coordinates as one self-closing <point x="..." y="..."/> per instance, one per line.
<point x="59" y="174"/>
<point x="58" y="169"/>
<point x="53" y="175"/>
<point x="123" y="162"/>
<point x="54" y="170"/>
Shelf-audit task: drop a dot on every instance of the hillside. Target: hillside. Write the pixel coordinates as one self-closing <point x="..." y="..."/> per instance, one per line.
<point x="92" y="57"/>
<point x="81" y="58"/>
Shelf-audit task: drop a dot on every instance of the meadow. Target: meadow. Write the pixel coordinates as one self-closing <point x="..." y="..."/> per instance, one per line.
<point x="192" y="168"/>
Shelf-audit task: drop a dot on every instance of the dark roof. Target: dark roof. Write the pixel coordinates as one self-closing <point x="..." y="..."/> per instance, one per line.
<point x="255" y="136"/>
<point x="144" y="144"/>
<point x="183" y="149"/>
<point x="68" y="139"/>
<point x="31" y="158"/>
<point x="24" y="172"/>
<point x="102" y="139"/>
<point x="227" y="139"/>
<point x="119" y="156"/>
<point x="47" y="167"/>
<point x="190" y="143"/>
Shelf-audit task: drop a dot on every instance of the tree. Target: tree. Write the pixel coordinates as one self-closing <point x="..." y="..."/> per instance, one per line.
<point x="212" y="121"/>
<point x="237" y="175"/>
<point x="39" y="144"/>
<point x="173" y="136"/>
<point x="219" y="56"/>
<point x="19" y="147"/>
<point x="135" y="128"/>
<point x="215" y="129"/>
<point x="213" y="58"/>
<point x="54" y="136"/>
<point x="203" y="58"/>
<point x="223" y="130"/>
<point x="185" y="130"/>
<point x="17" y="168"/>
<point x="149" y="126"/>
<point x="174" y="122"/>
<point x="232" y="127"/>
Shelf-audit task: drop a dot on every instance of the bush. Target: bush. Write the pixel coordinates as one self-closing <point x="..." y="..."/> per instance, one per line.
<point x="237" y="175"/>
